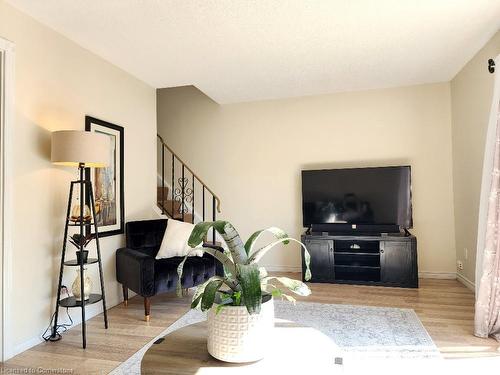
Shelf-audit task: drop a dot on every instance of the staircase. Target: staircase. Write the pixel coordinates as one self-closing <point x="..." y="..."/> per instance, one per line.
<point x="181" y="194"/>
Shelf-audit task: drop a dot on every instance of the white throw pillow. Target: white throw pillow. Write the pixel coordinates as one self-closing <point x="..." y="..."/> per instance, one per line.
<point x="175" y="240"/>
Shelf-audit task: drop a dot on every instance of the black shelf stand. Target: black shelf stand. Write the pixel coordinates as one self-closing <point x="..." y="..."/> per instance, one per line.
<point x="85" y="192"/>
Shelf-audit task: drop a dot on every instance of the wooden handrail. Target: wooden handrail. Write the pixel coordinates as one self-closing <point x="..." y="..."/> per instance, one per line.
<point x="191" y="171"/>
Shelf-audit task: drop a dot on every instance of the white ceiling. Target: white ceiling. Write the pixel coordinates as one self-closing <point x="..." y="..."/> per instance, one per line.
<point x="242" y="50"/>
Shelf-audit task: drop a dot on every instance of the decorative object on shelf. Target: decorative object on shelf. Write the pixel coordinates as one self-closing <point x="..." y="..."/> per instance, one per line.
<point x="76" y="215"/>
<point x="76" y="288"/>
<point x="83" y="150"/>
<point x="79" y="255"/>
<point x="79" y="241"/>
<point x="107" y="182"/>
<point x="243" y="295"/>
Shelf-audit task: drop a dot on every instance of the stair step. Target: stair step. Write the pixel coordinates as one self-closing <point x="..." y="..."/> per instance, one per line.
<point x="159" y="194"/>
<point x="168" y="204"/>
<point x="188" y="218"/>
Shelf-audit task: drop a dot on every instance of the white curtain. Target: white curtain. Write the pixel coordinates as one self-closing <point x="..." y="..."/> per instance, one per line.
<point x="487" y="314"/>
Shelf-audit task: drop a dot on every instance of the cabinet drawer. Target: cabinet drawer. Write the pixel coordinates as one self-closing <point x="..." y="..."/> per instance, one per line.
<point x="357" y="246"/>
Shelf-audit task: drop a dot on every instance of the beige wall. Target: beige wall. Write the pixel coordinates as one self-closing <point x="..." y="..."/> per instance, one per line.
<point x="251" y="154"/>
<point x="471" y="93"/>
<point x="57" y="83"/>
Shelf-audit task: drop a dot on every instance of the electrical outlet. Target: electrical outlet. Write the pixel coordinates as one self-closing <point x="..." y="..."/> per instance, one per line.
<point x="460" y="265"/>
<point x="466" y="253"/>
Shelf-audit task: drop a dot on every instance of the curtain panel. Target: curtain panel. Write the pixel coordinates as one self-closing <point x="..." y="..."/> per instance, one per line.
<point x="487" y="314"/>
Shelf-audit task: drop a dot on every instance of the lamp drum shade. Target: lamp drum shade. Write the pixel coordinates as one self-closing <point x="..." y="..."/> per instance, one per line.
<point x="75" y="147"/>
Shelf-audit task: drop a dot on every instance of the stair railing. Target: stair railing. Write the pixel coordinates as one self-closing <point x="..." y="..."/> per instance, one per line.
<point x="182" y="191"/>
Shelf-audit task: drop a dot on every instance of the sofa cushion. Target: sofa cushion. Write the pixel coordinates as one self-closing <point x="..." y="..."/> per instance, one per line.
<point x="175" y="241"/>
<point x="196" y="271"/>
<point x="145" y="235"/>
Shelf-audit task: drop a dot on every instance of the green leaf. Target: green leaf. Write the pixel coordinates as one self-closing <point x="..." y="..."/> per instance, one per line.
<point x="257" y="255"/>
<point x="234" y="243"/>
<point x="222" y="305"/>
<point x="289" y="298"/>
<point x="220" y="256"/>
<point x="296" y="286"/>
<point x="209" y="294"/>
<point x="196" y="301"/>
<point x="225" y="296"/>
<point x="249" y="279"/>
<point x="307" y="262"/>
<point x="226" y="300"/>
<point x="262" y="272"/>
<point x="227" y="232"/>
<point x="199" y="292"/>
<point x="223" y="258"/>
<point x="201" y="289"/>
<point x="276" y="292"/>
<point x="180" y="271"/>
<point x="278" y="233"/>
<point x="229" y="272"/>
<point x="200" y="231"/>
<point x="237" y="298"/>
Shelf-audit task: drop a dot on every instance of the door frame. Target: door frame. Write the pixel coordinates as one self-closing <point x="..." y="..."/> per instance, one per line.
<point x="7" y="54"/>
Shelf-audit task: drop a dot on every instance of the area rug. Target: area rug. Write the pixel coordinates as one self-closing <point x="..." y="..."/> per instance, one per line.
<point x="361" y="332"/>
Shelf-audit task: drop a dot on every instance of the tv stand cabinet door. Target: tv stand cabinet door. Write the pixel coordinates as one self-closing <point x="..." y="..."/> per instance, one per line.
<point x="321" y="251"/>
<point x="397" y="263"/>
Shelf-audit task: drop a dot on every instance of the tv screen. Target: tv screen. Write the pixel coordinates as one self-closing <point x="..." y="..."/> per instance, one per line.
<point x="357" y="196"/>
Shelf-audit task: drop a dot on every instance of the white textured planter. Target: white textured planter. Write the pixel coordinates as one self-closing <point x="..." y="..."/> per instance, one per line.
<point x="238" y="337"/>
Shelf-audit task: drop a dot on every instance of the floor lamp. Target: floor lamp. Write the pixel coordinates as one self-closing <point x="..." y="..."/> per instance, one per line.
<point x="80" y="149"/>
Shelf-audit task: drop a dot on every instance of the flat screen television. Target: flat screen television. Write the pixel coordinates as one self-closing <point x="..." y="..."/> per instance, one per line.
<point x="364" y="196"/>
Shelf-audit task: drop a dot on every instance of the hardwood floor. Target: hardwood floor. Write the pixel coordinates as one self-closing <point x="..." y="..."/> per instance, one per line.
<point x="445" y="307"/>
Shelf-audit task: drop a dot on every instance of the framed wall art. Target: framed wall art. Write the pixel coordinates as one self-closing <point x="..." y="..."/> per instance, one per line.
<point x="107" y="183"/>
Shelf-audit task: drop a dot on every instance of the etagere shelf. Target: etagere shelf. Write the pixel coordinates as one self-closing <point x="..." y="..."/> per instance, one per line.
<point x="86" y="194"/>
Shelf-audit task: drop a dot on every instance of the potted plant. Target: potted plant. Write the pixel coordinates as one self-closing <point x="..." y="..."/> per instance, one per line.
<point x="240" y="303"/>
<point x="78" y="241"/>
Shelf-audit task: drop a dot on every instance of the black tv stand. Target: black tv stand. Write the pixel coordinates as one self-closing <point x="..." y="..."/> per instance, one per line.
<point x="386" y="259"/>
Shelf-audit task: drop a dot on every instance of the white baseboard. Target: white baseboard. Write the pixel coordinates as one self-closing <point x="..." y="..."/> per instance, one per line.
<point x="422" y="275"/>
<point x="437" y="275"/>
<point x="28" y="344"/>
<point x="275" y="268"/>
<point x="465" y="281"/>
<point x="24" y="346"/>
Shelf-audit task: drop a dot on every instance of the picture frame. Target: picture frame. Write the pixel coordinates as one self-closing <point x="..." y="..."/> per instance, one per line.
<point x="107" y="183"/>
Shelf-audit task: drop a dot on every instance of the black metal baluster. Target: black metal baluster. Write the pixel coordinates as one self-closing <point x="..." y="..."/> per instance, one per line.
<point x="203" y="196"/>
<point x="163" y="179"/>
<point x="192" y="205"/>
<point x="172" y="186"/>
<point x="183" y="185"/>
<point x="183" y="196"/>
<point x="213" y="218"/>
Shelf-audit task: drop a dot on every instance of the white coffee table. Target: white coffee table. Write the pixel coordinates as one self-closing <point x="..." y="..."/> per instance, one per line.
<point x="294" y="349"/>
